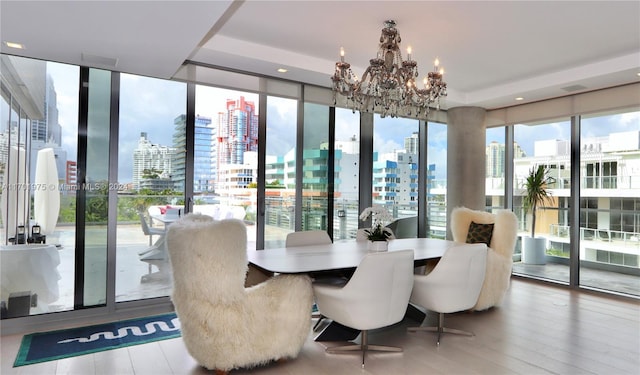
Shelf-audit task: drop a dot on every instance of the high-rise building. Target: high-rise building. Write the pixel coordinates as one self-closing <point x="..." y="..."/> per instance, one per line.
<point x="237" y="132"/>
<point x="205" y="173"/>
<point x="411" y="143"/>
<point x="204" y="165"/>
<point x="47" y="129"/>
<point x="149" y="157"/>
<point x="495" y="158"/>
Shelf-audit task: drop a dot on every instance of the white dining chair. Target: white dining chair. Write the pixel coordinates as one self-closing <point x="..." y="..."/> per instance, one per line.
<point x="376" y="296"/>
<point x="307" y="237"/>
<point x="453" y="285"/>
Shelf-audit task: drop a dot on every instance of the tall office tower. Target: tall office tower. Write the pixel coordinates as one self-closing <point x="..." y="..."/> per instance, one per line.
<point x="237" y="131"/>
<point x="204" y="172"/>
<point x="47" y="132"/>
<point x="151" y="157"/>
<point x="494" y="160"/>
<point x="47" y="129"/>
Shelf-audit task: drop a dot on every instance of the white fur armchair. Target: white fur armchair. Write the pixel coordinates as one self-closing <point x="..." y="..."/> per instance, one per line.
<point x="500" y="254"/>
<point x="225" y="325"/>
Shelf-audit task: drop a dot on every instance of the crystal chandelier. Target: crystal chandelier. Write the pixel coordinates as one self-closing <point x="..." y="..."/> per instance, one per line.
<point x="388" y="85"/>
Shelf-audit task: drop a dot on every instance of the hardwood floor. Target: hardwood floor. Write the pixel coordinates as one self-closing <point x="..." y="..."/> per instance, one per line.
<point x="540" y="329"/>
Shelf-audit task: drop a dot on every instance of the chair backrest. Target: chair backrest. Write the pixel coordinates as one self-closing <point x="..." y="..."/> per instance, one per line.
<point x="460" y="274"/>
<point x="144" y="224"/>
<point x="407" y="227"/>
<point x="505" y="229"/>
<point x="379" y="290"/>
<point x="306" y="238"/>
<point x="208" y="258"/>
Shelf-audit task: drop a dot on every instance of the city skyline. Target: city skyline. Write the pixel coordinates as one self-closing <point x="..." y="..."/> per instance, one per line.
<point x="154" y="103"/>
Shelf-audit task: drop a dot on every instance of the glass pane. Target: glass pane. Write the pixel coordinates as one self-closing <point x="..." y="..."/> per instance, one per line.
<point x="437" y="180"/>
<point x="495" y="170"/>
<point x="547" y="145"/>
<point x="152" y="113"/>
<point x="314" y="167"/>
<point x="97" y="179"/>
<point x="346" y="182"/>
<point x="280" y="170"/>
<point x="610" y="202"/>
<point x="226" y="156"/>
<point x="48" y="144"/>
<point x="395" y="166"/>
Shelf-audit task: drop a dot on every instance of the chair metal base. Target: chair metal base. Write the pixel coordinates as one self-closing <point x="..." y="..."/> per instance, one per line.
<point x="363" y="346"/>
<point x="440" y="328"/>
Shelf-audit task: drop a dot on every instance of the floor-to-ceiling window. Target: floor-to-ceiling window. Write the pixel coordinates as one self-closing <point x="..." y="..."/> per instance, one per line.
<point x="150" y="180"/>
<point x="280" y="170"/>
<point x="225" y="164"/>
<point x="48" y="99"/>
<point x="610" y="202"/>
<point x="549" y="145"/>
<point x="436" y="179"/>
<point x="395" y="165"/>
<point x="315" y="167"/>
<point x="226" y="155"/>
<point x="495" y="168"/>
<point x="93" y="198"/>
<point x="347" y="161"/>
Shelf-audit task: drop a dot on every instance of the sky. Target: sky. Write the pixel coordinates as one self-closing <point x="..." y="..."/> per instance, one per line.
<point x="150" y="105"/>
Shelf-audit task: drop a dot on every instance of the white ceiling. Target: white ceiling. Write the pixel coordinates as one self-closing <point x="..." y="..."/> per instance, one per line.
<point x="492" y="51"/>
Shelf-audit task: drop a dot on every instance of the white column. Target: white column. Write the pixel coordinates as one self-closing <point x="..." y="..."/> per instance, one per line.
<point x="466" y="142"/>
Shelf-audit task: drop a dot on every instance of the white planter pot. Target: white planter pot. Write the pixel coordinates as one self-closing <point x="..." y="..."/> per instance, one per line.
<point x="378" y="245"/>
<point x="533" y="250"/>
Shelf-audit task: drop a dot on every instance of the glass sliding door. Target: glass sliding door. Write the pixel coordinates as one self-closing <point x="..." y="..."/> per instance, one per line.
<point x="548" y="145"/>
<point x="152" y="113"/>
<point x="610" y="202"/>
<point x="346" y="179"/>
<point x="94" y="177"/>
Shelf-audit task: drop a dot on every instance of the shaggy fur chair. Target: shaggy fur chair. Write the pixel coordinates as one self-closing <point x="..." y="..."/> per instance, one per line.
<point x="500" y="255"/>
<point x="225" y="325"/>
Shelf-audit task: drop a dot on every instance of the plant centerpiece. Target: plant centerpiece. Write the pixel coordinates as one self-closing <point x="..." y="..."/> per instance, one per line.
<point x="536" y="194"/>
<point x="378" y="234"/>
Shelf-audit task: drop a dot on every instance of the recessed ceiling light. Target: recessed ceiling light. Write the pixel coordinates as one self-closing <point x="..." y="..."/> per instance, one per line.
<point x="638" y="74"/>
<point x="282" y="70"/>
<point x="14" y="45"/>
<point x="519" y="98"/>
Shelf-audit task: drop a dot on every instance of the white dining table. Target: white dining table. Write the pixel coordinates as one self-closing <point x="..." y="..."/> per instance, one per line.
<point x="32" y="268"/>
<point x="339" y="255"/>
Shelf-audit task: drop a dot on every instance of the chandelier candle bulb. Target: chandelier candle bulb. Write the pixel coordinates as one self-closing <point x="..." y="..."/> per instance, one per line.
<point x="341" y="54"/>
<point x="409" y="53"/>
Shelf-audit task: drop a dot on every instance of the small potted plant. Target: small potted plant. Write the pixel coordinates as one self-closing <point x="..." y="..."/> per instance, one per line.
<point x="378" y="234"/>
<point x="536" y="194"/>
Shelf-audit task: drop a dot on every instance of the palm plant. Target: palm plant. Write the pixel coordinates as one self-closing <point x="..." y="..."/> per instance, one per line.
<point x="536" y="193"/>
